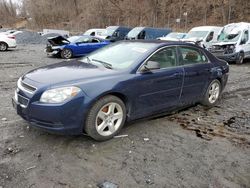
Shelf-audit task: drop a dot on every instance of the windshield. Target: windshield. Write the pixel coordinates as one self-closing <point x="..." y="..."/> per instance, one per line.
<point x="134" y="32"/>
<point x="88" y="32"/>
<point x="229" y="34"/>
<point x="82" y="39"/>
<point x="109" y="31"/>
<point x="73" y="38"/>
<point x="176" y="35"/>
<point x="119" y="55"/>
<point x="196" y="34"/>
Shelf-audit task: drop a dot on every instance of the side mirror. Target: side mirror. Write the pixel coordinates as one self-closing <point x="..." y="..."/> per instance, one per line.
<point x="150" y="65"/>
<point x="208" y="39"/>
<point x="243" y="41"/>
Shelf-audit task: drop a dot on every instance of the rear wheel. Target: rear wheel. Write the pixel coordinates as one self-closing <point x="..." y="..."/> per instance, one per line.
<point x="212" y="94"/>
<point x="3" y="46"/>
<point x="240" y="58"/>
<point x="66" y="53"/>
<point x="106" y="118"/>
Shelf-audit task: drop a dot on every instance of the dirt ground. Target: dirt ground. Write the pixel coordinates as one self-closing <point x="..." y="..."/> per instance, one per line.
<point x="195" y="147"/>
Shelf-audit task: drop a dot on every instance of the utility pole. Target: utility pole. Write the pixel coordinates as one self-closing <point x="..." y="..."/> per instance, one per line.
<point x="229" y="11"/>
<point x="185" y="14"/>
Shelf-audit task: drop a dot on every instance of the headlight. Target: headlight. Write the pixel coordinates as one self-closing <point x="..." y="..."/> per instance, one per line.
<point x="55" y="48"/>
<point x="232" y="47"/>
<point x="59" y="95"/>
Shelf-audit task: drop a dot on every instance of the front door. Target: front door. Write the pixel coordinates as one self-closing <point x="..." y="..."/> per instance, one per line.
<point x="159" y="89"/>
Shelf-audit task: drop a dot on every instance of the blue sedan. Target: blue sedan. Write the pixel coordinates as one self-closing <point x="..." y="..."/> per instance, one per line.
<point x="74" y="46"/>
<point x="121" y="82"/>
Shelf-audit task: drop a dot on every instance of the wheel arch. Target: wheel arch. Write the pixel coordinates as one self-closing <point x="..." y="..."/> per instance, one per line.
<point x="118" y="94"/>
<point x="4" y="43"/>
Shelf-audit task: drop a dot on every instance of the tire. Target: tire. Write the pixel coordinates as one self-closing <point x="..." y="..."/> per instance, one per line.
<point x="66" y="53"/>
<point x="240" y="59"/>
<point x="212" y="95"/>
<point x="106" y="118"/>
<point x="3" y="46"/>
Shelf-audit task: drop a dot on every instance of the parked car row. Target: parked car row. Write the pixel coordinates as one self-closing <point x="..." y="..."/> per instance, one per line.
<point x="230" y="43"/>
<point x="94" y="39"/>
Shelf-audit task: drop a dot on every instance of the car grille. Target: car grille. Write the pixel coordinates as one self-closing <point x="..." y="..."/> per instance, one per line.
<point x="23" y="101"/>
<point x="49" y="49"/>
<point x="28" y="87"/>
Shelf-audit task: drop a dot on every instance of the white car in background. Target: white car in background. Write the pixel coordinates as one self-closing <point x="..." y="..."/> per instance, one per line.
<point x="95" y="32"/>
<point x="174" y="36"/>
<point x="233" y="43"/>
<point x="7" y="41"/>
<point x="11" y="32"/>
<point x="203" y="35"/>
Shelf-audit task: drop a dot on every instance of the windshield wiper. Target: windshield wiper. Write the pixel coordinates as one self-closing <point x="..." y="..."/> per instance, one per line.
<point x="105" y="64"/>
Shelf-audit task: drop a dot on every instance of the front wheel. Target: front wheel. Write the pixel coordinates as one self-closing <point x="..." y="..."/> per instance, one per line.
<point x="3" y="46"/>
<point x="66" y="53"/>
<point x="106" y="118"/>
<point x="212" y="94"/>
<point x="240" y="59"/>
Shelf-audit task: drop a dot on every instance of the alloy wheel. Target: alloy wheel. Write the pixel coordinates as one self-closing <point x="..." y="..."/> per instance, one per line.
<point x="3" y="47"/>
<point x="214" y="92"/>
<point x="109" y="119"/>
<point x="67" y="54"/>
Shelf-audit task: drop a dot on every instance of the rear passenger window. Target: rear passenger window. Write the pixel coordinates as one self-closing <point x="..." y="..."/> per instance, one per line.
<point x="191" y="56"/>
<point x="166" y="57"/>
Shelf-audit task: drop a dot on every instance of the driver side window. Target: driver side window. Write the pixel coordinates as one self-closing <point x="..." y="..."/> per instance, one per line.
<point x="94" y="40"/>
<point x="165" y="57"/>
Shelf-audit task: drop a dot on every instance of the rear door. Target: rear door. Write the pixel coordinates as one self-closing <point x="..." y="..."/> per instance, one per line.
<point x="159" y="89"/>
<point x="197" y="72"/>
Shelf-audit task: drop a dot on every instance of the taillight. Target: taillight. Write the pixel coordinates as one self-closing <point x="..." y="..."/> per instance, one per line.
<point x="11" y="37"/>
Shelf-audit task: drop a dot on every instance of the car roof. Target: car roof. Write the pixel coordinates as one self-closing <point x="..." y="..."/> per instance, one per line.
<point x="202" y="28"/>
<point x="160" y="43"/>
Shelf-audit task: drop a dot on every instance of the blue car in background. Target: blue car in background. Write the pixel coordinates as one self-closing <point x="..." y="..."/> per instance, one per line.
<point x="74" y="46"/>
<point x="121" y="82"/>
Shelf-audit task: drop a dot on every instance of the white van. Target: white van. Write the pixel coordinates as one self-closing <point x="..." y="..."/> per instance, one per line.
<point x="204" y="35"/>
<point x="95" y="32"/>
<point x="233" y="43"/>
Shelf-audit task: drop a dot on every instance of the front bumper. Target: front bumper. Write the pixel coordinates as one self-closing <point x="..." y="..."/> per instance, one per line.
<point x="52" y="52"/>
<point x="66" y="118"/>
<point x="227" y="57"/>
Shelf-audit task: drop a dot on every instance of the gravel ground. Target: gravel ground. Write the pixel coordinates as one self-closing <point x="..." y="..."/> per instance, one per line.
<point x="195" y="147"/>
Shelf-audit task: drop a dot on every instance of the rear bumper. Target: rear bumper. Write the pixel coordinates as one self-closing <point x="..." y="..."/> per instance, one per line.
<point x="12" y="43"/>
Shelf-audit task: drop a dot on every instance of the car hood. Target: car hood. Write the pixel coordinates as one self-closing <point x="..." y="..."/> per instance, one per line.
<point x="169" y="39"/>
<point x="67" y="72"/>
<point x="192" y="39"/>
<point x="58" y="41"/>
